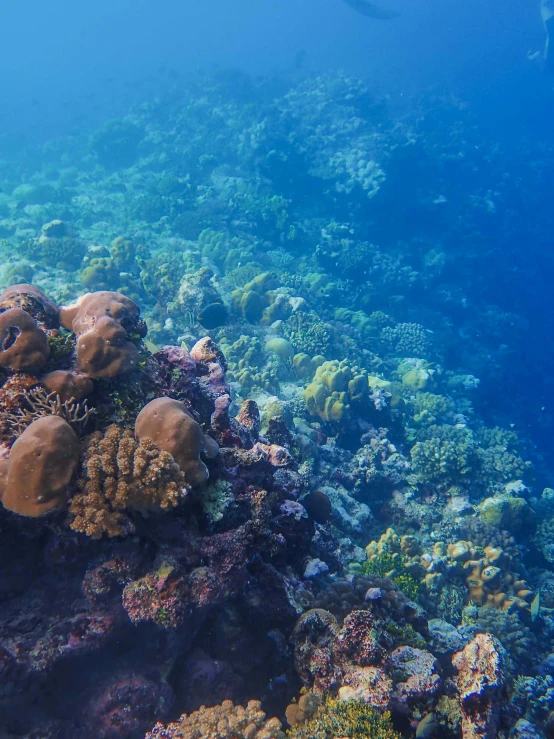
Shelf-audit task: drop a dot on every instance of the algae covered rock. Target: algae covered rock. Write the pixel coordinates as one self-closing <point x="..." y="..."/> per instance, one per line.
<point x="507" y="512"/>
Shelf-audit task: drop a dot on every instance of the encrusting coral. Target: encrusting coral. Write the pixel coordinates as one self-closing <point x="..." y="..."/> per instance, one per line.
<point x="121" y="474"/>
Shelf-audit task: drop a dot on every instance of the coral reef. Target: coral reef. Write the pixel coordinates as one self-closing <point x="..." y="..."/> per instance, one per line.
<point x="328" y="363"/>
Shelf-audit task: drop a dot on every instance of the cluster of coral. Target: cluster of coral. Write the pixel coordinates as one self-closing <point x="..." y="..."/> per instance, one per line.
<point x="271" y="499"/>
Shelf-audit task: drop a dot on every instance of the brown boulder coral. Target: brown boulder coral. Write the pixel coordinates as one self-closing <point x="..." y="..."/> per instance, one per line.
<point x="67" y="385"/>
<point x="169" y="425"/>
<point x="121" y="474"/>
<point x="23" y="345"/>
<point x="104" y="323"/>
<point x="34" y="302"/>
<point x="34" y="479"/>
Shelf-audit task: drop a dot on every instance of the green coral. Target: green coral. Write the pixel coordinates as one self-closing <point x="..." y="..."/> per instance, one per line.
<point x="246" y="360"/>
<point x="65" y="252"/>
<point x="61" y="345"/>
<point x="351" y="719"/>
<point x="101" y="273"/>
<point x="499" y="458"/>
<point x="428" y="409"/>
<point x="406" y="340"/>
<point x="389" y="565"/>
<point x="224" y="251"/>
<point x="445" y="455"/>
<point x="405" y="635"/>
<point x="216" y="498"/>
<point x="305" y="329"/>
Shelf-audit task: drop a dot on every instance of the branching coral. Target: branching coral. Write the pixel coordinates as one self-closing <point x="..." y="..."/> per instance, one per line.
<point x="225" y="721"/>
<point x="352" y="719"/>
<point x="38" y="402"/>
<point x="120" y="475"/>
<point x="446" y="455"/>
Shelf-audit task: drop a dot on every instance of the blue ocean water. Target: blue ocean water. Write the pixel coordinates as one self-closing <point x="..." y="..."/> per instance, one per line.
<point x="276" y="400"/>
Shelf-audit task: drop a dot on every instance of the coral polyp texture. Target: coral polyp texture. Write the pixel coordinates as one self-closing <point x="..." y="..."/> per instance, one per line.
<point x="269" y="438"/>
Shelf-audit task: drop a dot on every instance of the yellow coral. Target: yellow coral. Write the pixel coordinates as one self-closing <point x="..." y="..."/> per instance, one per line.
<point x="225" y="721"/>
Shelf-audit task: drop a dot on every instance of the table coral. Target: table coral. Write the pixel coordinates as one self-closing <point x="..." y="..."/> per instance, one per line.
<point x="119" y="475"/>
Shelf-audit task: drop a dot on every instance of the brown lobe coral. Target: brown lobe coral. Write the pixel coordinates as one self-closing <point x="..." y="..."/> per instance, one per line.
<point x="102" y="322"/>
<point x="68" y="385"/>
<point x="35" y="478"/>
<point x="23" y="345"/>
<point x="168" y="424"/>
<point x="34" y="302"/>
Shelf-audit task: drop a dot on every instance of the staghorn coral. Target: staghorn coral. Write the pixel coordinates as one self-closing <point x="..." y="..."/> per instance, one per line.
<point x="38" y="402"/>
<point x="119" y="475"/>
<point x="225" y="721"/>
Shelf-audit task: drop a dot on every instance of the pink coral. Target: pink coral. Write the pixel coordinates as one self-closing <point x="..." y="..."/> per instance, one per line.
<point x="480" y="684"/>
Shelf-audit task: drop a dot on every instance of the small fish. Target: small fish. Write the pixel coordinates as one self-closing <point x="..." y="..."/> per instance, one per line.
<point x="151" y="346"/>
<point x="213" y="316"/>
<point x="535" y="606"/>
<point x="427" y="728"/>
<point x="371" y="10"/>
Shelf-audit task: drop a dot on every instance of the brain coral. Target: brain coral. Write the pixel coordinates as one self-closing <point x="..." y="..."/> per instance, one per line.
<point x="120" y="474"/>
<point x="169" y="425"/>
<point x="35" y="477"/>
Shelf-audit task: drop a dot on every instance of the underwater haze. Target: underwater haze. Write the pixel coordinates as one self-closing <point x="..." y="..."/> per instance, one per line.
<point x="276" y="361"/>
